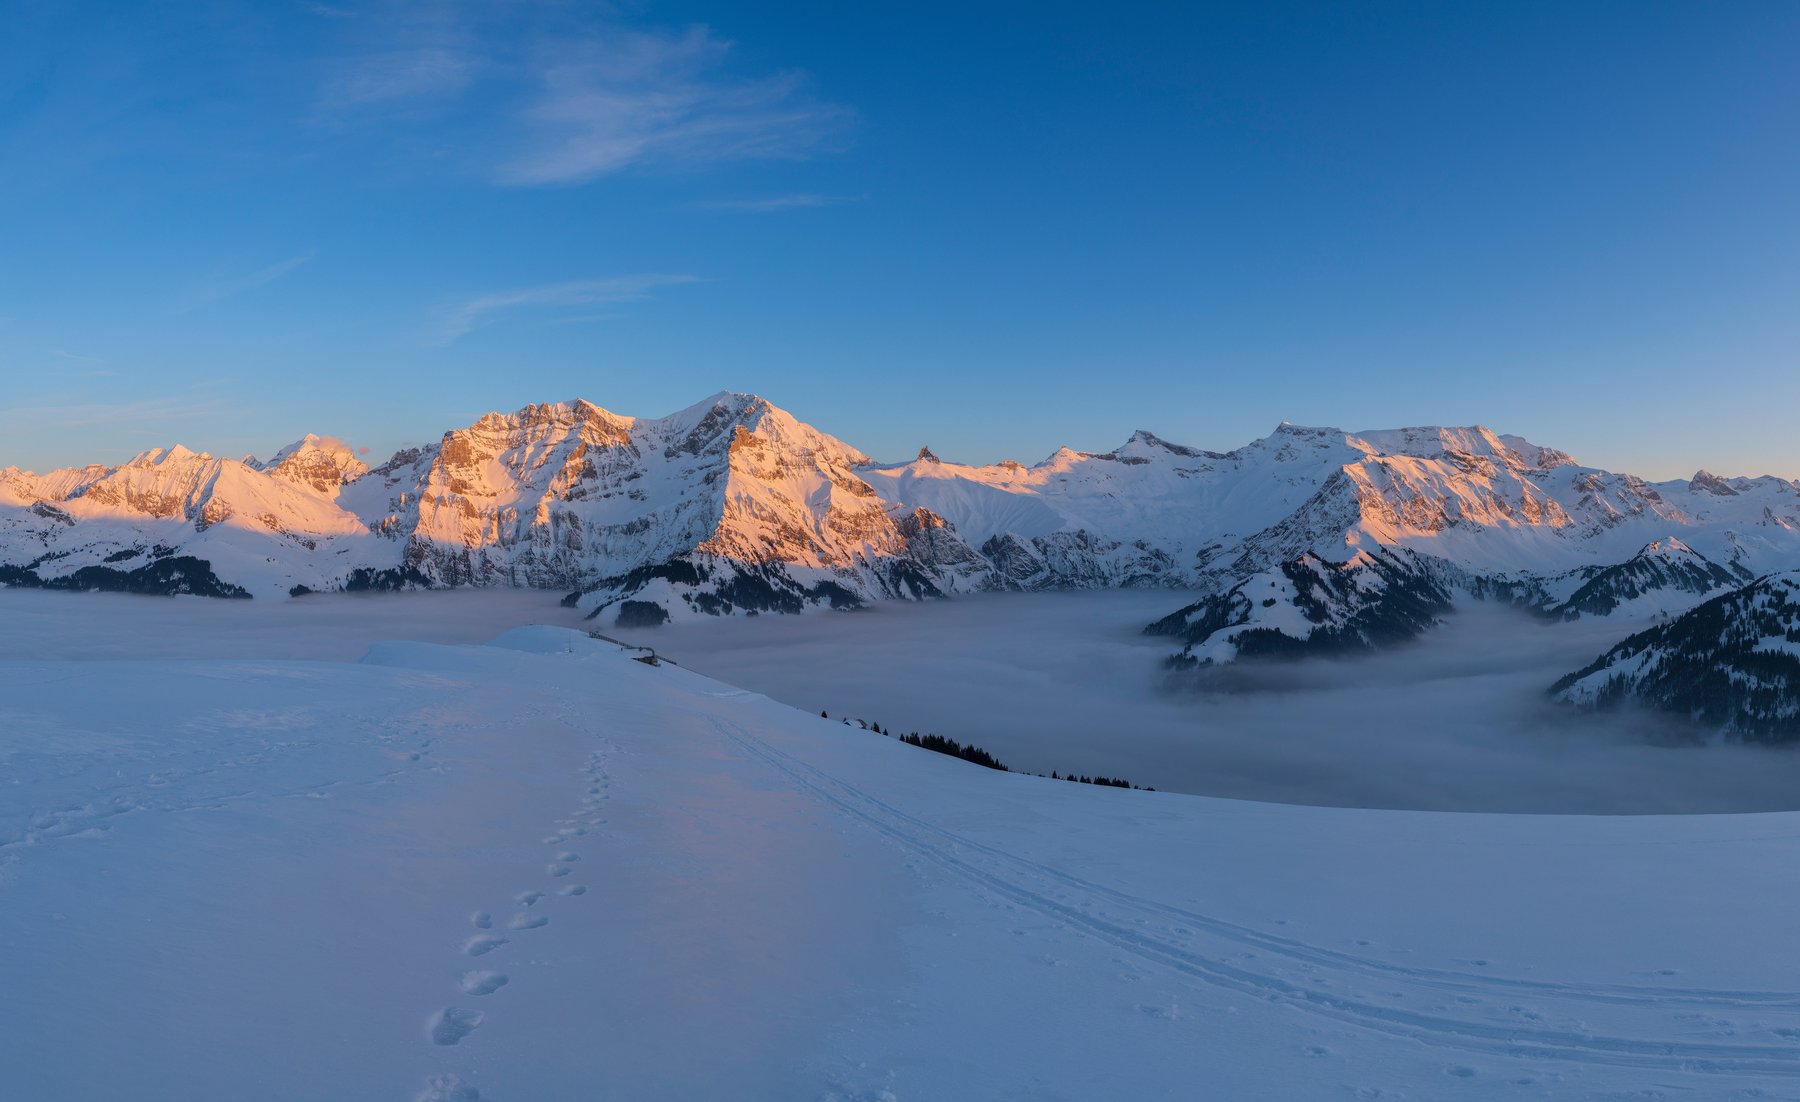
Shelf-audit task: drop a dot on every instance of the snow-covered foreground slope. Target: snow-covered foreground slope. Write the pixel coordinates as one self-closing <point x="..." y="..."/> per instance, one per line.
<point x="540" y="870"/>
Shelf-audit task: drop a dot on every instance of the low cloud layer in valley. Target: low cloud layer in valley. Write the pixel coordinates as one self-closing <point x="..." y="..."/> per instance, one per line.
<point x="1457" y="721"/>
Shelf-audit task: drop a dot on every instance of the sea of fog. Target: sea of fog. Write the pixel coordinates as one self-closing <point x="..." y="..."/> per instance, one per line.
<point x="1067" y="681"/>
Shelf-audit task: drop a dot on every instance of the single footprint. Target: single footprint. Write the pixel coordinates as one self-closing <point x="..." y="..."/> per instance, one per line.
<point x="482" y="983"/>
<point x="528" y="921"/>
<point x="482" y="945"/>
<point x="573" y="889"/>
<point x="557" y="870"/>
<point x="568" y="857"/>
<point x="526" y="899"/>
<point x="447" y="1088"/>
<point x="481" y="920"/>
<point x="452" y="1024"/>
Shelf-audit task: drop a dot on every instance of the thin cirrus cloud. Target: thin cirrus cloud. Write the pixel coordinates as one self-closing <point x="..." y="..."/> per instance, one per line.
<point x="226" y="285"/>
<point x="81" y="411"/>
<point x="390" y="77"/>
<point x="544" y="109"/>
<point x="775" y="203"/>
<point x="574" y="298"/>
<point x="399" y="57"/>
<point x="642" y="99"/>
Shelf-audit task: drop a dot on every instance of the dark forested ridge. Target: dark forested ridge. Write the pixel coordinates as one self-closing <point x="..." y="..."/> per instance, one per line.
<point x="1731" y="663"/>
<point x="977" y="756"/>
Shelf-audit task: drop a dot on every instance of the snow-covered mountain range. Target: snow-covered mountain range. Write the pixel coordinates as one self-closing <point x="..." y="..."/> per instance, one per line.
<point x="1307" y="539"/>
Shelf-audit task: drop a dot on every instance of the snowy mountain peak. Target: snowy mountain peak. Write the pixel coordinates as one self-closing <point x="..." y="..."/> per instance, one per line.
<point x="1666" y="574"/>
<point x="1145" y="444"/>
<point x="1705" y="482"/>
<point x="599" y="423"/>
<point x="156" y="457"/>
<point x="323" y="463"/>
<point x="926" y="456"/>
<point x="726" y="403"/>
<point x="1535" y="457"/>
<point x="1668" y="545"/>
<point x="1308" y="432"/>
<point x="1437" y="442"/>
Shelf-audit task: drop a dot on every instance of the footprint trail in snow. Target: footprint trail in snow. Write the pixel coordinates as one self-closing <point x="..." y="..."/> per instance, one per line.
<point x="452" y="1025"/>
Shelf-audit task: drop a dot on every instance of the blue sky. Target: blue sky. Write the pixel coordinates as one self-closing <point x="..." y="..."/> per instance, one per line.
<point x="992" y="228"/>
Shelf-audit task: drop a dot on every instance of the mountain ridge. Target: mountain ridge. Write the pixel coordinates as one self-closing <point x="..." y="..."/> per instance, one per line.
<point x="1731" y="663"/>
<point x="733" y="505"/>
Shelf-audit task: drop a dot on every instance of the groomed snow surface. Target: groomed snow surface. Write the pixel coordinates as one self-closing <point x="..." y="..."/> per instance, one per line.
<point x="539" y="870"/>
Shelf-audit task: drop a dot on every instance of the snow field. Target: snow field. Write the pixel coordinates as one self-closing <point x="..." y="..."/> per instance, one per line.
<point x="292" y="880"/>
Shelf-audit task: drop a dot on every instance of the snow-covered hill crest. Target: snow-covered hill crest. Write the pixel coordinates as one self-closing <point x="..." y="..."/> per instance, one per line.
<point x="1666" y="575"/>
<point x="1311" y="606"/>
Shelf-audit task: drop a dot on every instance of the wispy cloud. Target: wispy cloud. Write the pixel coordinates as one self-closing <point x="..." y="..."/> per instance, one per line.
<point x="775" y="203"/>
<point x="147" y="414"/>
<point x="556" y="96"/>
<point x="578" y="296"/>
<point x="641" y="99"/>
<point x="223" y="284"/>
<point x="398" y="57"/>
<point x="391" y="77"/>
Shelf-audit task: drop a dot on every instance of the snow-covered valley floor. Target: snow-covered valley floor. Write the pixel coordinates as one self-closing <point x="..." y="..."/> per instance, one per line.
<point x="539" y="870"/>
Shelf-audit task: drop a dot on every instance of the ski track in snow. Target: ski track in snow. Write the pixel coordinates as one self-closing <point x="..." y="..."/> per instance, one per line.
<point x="1172" y="940"/>
<point x="453" y="1024"/>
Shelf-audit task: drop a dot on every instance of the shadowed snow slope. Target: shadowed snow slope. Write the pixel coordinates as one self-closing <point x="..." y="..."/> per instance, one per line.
<point x="539" y="870"/>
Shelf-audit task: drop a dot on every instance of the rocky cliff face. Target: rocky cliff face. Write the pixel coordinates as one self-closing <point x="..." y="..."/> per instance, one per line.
<point x="729" y="506"/>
